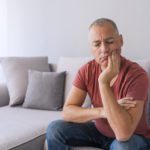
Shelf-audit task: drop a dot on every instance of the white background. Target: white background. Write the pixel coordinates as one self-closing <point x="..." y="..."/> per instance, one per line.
<point x="60" y="27"/>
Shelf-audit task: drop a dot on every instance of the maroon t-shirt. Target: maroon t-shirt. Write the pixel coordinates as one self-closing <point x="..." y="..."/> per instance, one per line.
<point x="132" y="81"/>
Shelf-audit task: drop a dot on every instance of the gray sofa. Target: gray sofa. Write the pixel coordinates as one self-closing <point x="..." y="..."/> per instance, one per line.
<point x="24" y="128"/>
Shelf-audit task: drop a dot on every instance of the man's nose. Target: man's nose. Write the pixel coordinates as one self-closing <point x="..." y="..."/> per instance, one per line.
<point x="103" y="48"/>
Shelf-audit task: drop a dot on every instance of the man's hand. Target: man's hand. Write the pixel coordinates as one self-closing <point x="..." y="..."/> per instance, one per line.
<point x="112" y="68"/>
<point x="126" y="103"/>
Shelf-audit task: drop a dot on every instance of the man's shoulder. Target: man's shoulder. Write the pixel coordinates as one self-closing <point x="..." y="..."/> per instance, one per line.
<point x="90" y="64"/>
<point x="132" y="69"/>
<point x="132" y="66"/>
<point x="89" y="68"/>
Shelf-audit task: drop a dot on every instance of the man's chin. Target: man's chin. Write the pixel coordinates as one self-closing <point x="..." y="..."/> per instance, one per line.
<point x="104" y="65"/>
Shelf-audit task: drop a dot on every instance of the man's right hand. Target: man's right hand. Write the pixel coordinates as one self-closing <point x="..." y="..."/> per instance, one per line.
<point x="127" y="103"/>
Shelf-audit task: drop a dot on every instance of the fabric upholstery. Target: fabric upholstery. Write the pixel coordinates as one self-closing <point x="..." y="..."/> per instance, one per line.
<point x="25" y="130"/>
<point x="34" y="144"/>
<point x="4" y="96"/>
<point x="71" y="66"/>
<point x="2" y="76"/>
<point x="19" y="125"/>
<point x="146" y="66"/>
<point x="74" y="148"/>
<point x="45" y="90"/>
<point x="16" y="72"/>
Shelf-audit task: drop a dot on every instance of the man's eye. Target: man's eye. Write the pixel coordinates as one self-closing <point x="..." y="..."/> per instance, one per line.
<point x="97" y="45"/>
<point x="110" y="42"/>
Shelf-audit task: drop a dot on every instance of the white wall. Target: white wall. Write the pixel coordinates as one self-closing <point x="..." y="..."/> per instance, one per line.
<point x="59" y="27"/>
<point x="3" y="28"/>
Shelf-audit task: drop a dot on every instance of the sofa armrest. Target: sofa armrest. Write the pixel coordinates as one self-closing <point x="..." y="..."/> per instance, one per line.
<point x="4" y="95"/>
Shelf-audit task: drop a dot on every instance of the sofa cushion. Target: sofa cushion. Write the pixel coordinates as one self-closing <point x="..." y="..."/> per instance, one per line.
<point x="16" y="72"/>
<point x="75" y="147"/>
<point x="71" y="65"/>
<point x="19" y="125"/>
<point x="34" y="144"/>
<point x="45" y="90"/>
<point x="146" y="65"/>
<point x="2" y="76"/>
<point x="4" y="96"/>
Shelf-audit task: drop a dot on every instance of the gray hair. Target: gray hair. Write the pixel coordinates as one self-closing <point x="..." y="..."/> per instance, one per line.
<point x="102" y="22"/>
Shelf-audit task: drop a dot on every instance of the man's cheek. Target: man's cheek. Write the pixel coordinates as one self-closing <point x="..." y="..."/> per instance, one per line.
<point x="117" y="50"/>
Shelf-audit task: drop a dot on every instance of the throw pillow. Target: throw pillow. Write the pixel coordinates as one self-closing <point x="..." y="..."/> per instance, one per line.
<point x="45" y="90"/>
<point x="16" y="73"/>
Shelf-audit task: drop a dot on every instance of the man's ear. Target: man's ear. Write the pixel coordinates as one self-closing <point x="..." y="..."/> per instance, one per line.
<point x="121" y="39"/>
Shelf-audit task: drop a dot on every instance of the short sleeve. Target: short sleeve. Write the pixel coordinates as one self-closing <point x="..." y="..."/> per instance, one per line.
<point x="80" y="79"/>
<point x="138" y="86"/>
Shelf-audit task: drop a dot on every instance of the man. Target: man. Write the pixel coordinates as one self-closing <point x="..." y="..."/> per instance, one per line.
<point x="118" y="91"/>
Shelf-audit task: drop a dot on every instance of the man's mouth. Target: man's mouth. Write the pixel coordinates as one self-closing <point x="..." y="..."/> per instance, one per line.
<point x="105" y="58"/>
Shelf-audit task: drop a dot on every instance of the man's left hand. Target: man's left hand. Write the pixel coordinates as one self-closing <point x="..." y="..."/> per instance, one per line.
<point x="112" y="68"/>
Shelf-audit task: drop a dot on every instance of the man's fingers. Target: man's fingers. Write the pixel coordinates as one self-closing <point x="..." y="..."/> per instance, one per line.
<point x="127" y="102"/>
<point x="128" y="98"/>
<point x="109" y="61"/>
<point x="130" y="102"/>
<point x="128" y="105"/>
<point x="127" y="108"/>
<point x="115" y="60"/>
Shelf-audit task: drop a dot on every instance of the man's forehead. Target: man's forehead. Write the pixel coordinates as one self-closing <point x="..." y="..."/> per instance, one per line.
<point x="105" y="39"/>
<point x="98" y="33"/>
<point x="105" y="24"/>
<point x="103" y="29"/>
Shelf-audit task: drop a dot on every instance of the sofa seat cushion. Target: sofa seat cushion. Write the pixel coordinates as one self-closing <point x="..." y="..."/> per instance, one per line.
<point x="19" y="125"/>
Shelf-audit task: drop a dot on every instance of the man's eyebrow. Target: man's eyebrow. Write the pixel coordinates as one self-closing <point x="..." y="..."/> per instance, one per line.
<point x="109" y="38"/>
<point x="106" y="39"/>
<point x="97" y="41"/>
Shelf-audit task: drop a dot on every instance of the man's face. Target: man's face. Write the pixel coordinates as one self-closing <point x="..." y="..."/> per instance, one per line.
<point x="103" y="41"/>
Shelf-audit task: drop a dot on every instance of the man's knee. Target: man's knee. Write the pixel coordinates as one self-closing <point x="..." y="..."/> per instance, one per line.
<point x="134" y="143"/>
<point x="55" y="130"/>
<point x="118" y="145"/>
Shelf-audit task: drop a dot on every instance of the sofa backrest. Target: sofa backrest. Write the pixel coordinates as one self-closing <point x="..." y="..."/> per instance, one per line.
<point x="4" y="96"/>
<point x="146" y="65"/>
<point x="2" y="76"/>
<point x="71" y="65"/>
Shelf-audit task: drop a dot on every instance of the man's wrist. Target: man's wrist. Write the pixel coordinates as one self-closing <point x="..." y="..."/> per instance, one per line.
<point x="102" y="113"/>
<point x="104" y="83"/>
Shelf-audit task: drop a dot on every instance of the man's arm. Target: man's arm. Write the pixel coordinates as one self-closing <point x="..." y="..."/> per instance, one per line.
<point x="122" y="122"/>
<point x="73" y="111"/>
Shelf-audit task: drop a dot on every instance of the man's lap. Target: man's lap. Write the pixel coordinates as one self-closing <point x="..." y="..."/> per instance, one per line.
<point x="86" y="134"/>
<point x="80" y="134"/>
